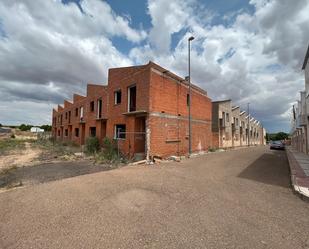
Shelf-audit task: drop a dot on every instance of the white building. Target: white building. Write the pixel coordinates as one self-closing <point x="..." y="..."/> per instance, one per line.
<point x="36" y="130"/>
<point x="299" y="125"/>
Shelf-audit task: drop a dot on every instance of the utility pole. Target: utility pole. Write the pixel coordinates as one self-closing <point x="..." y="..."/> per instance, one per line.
<point x="189" y="79"/>
<point x="248" y="126"/>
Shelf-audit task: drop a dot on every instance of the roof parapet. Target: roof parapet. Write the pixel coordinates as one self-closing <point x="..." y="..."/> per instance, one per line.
<point x="77" y="98"/>
<point x="67" y="103"/>
<point x="60" y="108"/>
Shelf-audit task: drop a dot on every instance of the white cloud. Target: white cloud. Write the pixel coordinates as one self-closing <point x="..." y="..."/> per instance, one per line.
<point x="256" y="58"/>
<point x="51" y="50"/>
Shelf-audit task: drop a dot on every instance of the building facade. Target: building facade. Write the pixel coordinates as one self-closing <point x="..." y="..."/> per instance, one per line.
<point x="300" y="113"/>
<point x="144" y="108"/>
<point x="230" y="126"/>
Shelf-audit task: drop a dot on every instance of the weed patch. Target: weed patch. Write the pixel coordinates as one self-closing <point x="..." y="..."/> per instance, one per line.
<point x="9" y="144"/>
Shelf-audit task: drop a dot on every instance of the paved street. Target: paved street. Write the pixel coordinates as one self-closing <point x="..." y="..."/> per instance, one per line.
<point x="235" y="199"/>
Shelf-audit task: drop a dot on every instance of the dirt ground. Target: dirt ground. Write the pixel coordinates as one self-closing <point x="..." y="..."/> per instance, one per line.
<point x="20" y="158"/>
<point x="235" y="199"/>
<point x="27" y="162"/>
<point x="36" y="174"/>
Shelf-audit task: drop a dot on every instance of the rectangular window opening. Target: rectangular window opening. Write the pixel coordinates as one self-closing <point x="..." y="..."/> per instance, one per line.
<point x="81" y="113"/>
<point x="132" y="98"/>
<point x="117" y="97"/>
<point x="92" y="106"/>
<point x="76" y="132"/>
<point x="99" y="110"/>
<point x="120" y="131"/>
<point x="92" y="131"/>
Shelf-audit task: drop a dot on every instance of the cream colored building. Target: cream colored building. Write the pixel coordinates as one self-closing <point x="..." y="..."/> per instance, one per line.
<point x="230" y="126"/>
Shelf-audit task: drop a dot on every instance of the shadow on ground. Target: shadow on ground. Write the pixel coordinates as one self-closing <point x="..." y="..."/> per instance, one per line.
<point x="48" y="172"/>
<point x="270" y="168"/>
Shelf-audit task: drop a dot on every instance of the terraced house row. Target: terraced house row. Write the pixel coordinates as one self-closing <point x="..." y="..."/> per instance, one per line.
<point x="300" y="114"/>
<point x="233" y="127"/>
<point x="144" y="108"/>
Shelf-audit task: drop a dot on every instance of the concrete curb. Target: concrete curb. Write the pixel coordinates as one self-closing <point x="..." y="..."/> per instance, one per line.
<point x="297" y="175"/>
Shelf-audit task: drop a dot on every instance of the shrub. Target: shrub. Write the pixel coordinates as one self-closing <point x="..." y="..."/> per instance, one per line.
<point x="12" y="136"/>
<point x="109" y="149"/>
<point x="211" y="149"/>
<point x="92" y="145"/>
<point x="109" y="153"/>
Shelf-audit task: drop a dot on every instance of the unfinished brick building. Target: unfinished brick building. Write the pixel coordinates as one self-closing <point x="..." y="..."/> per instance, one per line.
<point x="145" y="108"/>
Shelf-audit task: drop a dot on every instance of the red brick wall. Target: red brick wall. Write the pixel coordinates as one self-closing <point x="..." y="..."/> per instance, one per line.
<point x="170" y="136"/>
<point x="121" y="79"/>
<point x="162" y="97"/>
<point x="94" y="92"/>
<point x="169" y="127"/>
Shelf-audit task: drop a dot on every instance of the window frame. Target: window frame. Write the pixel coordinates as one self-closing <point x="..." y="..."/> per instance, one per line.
<point x="116" y="132"/>
<point x="76" y="132"/>
<point x="91" y="106"/>
<point x="117" y="97"/>
<point x="129" y="97"/>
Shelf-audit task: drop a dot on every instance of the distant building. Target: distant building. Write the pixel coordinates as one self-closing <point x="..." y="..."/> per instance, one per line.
<point x="230" y="126"/>
<point x="36" y="130"/>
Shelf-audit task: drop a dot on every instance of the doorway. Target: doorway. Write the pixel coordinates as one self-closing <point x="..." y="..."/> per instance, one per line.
<point x="140" y="135"/>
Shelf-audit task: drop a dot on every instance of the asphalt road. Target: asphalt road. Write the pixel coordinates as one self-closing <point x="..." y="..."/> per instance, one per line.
<point x="235" y="199"/>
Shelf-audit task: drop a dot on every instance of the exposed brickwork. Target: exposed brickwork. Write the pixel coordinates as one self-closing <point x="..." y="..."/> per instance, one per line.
<point x="160" y="108"/>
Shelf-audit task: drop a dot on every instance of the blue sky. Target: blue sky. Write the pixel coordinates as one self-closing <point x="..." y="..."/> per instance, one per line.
<point x="138" y="13"/>
<point x="247" y="51"/>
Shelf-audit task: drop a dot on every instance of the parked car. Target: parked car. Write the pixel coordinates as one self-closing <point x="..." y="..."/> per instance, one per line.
<point x="277" y="145"/>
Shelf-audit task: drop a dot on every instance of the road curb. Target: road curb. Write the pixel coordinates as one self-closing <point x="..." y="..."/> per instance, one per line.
<point x="296" y="174"/>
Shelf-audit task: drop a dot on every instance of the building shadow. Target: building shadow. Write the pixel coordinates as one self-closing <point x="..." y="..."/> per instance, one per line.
<point x="270" y="168"/>
<point x="48" y="172"/>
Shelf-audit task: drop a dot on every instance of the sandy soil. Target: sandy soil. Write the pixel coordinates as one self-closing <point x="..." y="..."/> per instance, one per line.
<point x="20" y="158"/>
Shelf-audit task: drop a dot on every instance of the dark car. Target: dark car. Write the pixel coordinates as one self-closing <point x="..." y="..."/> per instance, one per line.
<point x="276" y="145"/>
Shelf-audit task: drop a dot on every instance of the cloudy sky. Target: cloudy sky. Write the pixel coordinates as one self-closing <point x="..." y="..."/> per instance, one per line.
<point x="249" y="51"/>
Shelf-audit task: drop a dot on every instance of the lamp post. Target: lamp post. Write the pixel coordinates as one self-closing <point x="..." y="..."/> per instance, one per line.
<point x="189" y="79"/>
<point x="248" y="126"/>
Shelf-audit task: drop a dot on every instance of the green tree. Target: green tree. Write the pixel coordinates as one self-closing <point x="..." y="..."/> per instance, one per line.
<point x="277" y="136"/>
<point x="282" y="136"/>
<point x="46" y="127"/>
<point x="24" y="127"/>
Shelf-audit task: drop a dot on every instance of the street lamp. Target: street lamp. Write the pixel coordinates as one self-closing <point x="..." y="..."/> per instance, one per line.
<point x="189" y="79"/>
<point x="248" y="126"/>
